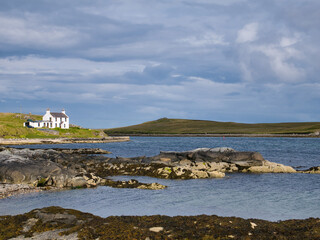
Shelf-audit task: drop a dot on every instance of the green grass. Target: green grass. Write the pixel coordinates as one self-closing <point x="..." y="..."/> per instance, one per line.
<point x="184" y="126"/>
<point x="11" y="126"/>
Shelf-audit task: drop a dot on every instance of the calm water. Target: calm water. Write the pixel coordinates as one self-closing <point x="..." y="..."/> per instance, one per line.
<point x="265" y="196"/>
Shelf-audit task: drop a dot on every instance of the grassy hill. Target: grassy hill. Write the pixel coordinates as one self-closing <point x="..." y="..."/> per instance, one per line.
<point x="11" y="126"/>
<point x="184" y="126"/>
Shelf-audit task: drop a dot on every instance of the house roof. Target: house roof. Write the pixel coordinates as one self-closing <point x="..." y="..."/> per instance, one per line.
<point x="60" y="115"/>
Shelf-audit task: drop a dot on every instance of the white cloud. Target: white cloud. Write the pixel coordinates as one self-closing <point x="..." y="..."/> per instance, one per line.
<point x="248" y="33"/>
<point x="73" y="67"/>
<point x="286" y="42"/>
<point x="206" y="39"/>
<point x="217" y="2"/>
<point x="280" y="62"/>
<point x="31" y="31"/>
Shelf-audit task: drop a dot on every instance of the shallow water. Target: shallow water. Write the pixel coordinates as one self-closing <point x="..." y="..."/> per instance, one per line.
<point x="266" y="196"/>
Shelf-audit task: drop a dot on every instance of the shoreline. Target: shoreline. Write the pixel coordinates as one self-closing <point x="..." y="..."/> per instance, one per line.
<point x="74" y="224"/>
<point x="30" y="141"/>
<point x="294" y="135"/>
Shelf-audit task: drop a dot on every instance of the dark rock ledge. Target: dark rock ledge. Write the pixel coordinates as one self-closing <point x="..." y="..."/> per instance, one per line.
<point x="60" y="223"/>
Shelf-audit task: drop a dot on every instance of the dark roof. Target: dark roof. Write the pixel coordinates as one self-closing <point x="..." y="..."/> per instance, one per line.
<point x="60" y="115"/>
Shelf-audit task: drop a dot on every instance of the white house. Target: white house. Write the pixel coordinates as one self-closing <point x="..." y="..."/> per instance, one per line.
<point x="51" y="120"/>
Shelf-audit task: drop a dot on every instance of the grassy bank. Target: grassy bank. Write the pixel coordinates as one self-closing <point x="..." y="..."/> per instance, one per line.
<point x="11" y="126"/>
<point x="184" y="126"/>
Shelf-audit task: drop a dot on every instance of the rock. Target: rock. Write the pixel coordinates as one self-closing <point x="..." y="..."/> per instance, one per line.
<point x="77" y="182"/>
<point x="200" y="174"/>
<point x="134" y="184"/>
<point x="7" y="190"/>
<point x="222" y="149"/>
<point x="152" y="186"/>
<point x="222" y="167"/>
<point x="29" y="224"/>
<point x="216" y="174"/>
<point x="156" y="229"/>
<point x="270" y="167"/>
<point x="218" y="149"/>
<point x="253" y="225"/>
<point x="315" y="170"/>
<point x="179" y="171"/>
<point x="165" y="159"/>
<point x="82" y="151"/>
<point x="185" y="162"/>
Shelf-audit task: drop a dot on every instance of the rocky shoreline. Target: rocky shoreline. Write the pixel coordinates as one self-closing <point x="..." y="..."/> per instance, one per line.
<point x="27" y="141"/>
<point x="60" y="223"/>
<point x="31" y="170"/>
<point x="43" y="169"/>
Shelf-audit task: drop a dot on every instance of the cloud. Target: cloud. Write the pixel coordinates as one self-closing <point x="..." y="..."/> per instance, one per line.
<point x="31" y="32"/>
<point x="233" y="60"/>
<point x="248" y="33"/>
<point x="68" y="68"/>
<point x="280" y="60"/>
<point x="287" y="42"/>
<point x="205" y="40"/>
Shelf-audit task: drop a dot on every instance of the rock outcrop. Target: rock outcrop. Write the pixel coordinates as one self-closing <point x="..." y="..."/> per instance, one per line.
<point x="76" y="168"/>
<point x="198" y="163"/>
<point x="44" y="167"/>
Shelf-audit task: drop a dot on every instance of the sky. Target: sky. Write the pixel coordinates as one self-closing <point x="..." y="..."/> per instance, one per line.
<point x="113" y="63"/>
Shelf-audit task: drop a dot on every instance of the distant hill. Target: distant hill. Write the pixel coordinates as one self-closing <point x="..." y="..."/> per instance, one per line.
<point x="184" y="126"/>
<point x="11" y="126"/>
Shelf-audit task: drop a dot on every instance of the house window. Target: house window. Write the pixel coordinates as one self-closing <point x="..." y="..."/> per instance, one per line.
<point x="50" y="119"/>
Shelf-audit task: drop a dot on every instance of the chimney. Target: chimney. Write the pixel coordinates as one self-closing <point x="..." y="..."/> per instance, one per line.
<point x="63" y="111"/>
<point x="48" y="110"/>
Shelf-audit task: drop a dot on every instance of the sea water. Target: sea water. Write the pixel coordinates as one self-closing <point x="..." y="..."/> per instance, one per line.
<point x="265" y="196"/>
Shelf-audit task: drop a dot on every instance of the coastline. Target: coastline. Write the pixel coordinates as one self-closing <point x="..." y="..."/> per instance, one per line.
<point x="294" y="135"/>
<point x="73" y="224"/>
<point x="62" y="223"/>
<point x="25" y="141"/>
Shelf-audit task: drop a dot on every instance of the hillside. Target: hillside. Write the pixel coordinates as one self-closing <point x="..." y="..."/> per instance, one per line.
<point x="11" y="126"/>
<point x="184" y="126"/>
